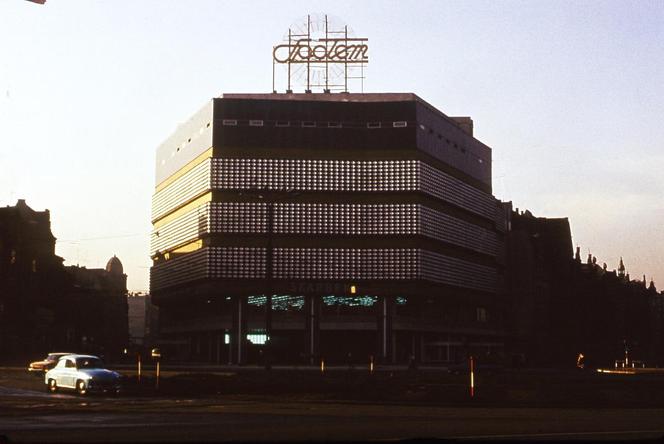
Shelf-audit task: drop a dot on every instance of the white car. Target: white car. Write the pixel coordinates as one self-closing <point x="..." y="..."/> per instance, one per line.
<point x="83" y="373"/>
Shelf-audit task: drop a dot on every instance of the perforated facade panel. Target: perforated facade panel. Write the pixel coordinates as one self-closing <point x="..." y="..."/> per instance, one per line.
<point x="397" y="214"/>
<point x="392" y="264"/>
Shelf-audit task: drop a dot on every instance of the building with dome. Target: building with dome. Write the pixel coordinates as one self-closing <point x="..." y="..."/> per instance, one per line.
<point x="114" y="267"/>
<point x="100" y="296"/>
<point x="45" y="306"/>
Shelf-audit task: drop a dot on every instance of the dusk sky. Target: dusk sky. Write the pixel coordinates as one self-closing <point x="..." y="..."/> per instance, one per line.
<point x="569" y="95"/>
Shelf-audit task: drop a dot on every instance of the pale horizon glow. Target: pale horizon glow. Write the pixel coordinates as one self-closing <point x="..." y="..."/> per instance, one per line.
<point x="569" y="96"/>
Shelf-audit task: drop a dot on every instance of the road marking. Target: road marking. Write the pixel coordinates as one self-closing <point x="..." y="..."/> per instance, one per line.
<point x="558" y="434"/>
<point x="96" y="425"/>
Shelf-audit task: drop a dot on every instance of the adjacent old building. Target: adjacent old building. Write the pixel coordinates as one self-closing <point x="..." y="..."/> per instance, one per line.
<point x="46" y="307"/>
<point x="561" y="307"/>
<point x="99" y="314"/>
<point x="31" y="281"/>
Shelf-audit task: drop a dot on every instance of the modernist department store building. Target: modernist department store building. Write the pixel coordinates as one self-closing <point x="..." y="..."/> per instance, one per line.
<point x="365" y="221"/>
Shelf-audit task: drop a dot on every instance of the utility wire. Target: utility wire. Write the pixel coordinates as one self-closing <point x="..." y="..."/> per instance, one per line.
<point x="74" y="241"/>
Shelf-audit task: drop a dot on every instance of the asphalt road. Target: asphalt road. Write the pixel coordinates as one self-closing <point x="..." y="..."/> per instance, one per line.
<point x="31" y="416"/>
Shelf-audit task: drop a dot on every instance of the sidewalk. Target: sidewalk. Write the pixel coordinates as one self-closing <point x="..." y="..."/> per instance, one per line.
<point x="202" y="367"/>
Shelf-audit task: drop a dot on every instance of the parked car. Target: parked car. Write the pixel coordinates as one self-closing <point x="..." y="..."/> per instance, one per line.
<point x="46" y="364"/>
<point x="83" y="373"/>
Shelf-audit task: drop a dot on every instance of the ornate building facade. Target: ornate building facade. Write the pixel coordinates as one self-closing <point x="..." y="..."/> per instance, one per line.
<point x="561" y="306"/>
<point x="46" y="307"/>
<point x="31" y="281"/>
<point x="100" y="321"/>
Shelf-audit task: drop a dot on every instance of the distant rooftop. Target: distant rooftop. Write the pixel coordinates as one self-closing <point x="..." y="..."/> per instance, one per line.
<point x="25" y="212"/>
<point x="465" y="123"/>
<point x="329" y="97"/>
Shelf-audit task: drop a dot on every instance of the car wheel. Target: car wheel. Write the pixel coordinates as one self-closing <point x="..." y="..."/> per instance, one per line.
<point x="81" y="388"/>
<point x="52" y="386"/>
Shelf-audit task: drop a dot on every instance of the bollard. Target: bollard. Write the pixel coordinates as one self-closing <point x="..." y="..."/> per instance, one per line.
<point x="472" y="377"/>
<point x="156" y="354"/>
<point x="322" y="366"/>
<point x="371" y="364"/>
<point x="138" y="357"/>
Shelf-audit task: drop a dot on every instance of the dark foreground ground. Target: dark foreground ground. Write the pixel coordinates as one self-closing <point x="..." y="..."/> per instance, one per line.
<point x="340" y="405"/>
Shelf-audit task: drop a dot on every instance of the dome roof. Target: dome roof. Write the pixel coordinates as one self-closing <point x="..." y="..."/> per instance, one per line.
<point x="114" y="266"/>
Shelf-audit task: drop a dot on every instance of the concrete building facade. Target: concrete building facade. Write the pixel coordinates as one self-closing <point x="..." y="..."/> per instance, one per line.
<point x="293" y="227"/>
<point x="143" y="320"/>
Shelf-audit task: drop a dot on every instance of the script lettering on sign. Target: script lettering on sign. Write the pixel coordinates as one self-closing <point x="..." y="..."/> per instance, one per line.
<point x="321" y="52"/>
<point x="338" y="50"/>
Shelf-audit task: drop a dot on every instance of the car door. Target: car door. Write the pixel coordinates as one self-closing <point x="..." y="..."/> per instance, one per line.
<point x="69" y="373"/>
<point x="57" y="372"/>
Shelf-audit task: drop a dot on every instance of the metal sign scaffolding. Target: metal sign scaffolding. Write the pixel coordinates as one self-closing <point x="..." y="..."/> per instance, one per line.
<point x="322" y="56"/>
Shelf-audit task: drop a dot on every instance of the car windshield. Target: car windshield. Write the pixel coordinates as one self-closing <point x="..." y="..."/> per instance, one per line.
<point x="89" y="363"/>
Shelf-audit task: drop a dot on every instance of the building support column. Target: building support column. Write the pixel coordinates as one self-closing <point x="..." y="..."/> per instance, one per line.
<point x="423" y="343"/>
<point x="269" y="259"/>
<point x="228" y="348"/>
<point x="384" y="328"/>
<point x="238" y="334"/>
<point x="219" y="342"/>
<point x="417" y="346"/>
<point x="312" y="328"/>
<point x="210" y="344"/>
